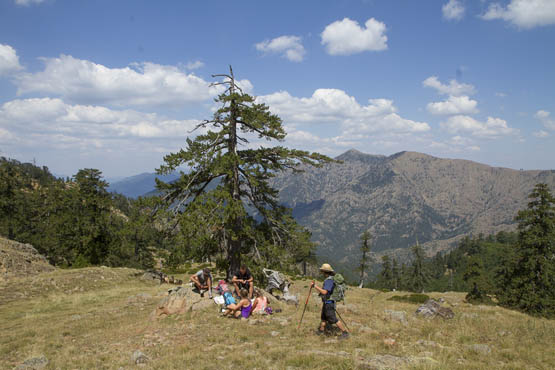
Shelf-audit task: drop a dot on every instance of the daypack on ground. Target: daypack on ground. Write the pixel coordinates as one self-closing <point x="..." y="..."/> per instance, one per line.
<point x="339" y="290"/>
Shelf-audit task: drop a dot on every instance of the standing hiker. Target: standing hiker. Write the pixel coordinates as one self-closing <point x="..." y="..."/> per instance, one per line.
<point x="243" y="280"/>
<point x="202" y="282"/>
<point x="328" y="306"/>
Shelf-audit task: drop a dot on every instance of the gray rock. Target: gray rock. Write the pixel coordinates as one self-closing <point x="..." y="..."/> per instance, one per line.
<point x="274" y="333"/>
<point x="432" y="309"/>
<point x="33" y="363"/>
<point x="381" y="362"/>
<point x="139" y="358"/>
<point x="400" y="316"/>
<point x="482" y="349"/>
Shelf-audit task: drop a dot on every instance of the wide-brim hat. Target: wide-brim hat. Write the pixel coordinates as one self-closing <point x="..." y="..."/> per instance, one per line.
<point x="326" y="268"/>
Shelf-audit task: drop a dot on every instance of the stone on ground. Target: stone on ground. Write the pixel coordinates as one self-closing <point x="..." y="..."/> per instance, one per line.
<point x="431" y="309"/>
<point x="33" y="363"/>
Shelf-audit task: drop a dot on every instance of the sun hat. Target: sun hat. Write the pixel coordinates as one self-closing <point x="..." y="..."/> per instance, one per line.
<point x="326" y="267"/>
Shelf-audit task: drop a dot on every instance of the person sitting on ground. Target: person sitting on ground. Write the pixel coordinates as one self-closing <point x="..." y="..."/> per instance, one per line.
<point x="202" y="282"/>
<point x="243" y="280"/>
<point x="328" y="305"/>
<point x="241" y="309"/>
<point x="260" y="302"/>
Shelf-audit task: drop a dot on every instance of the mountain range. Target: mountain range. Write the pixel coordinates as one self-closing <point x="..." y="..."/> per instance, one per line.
<point x="402" y="199"/>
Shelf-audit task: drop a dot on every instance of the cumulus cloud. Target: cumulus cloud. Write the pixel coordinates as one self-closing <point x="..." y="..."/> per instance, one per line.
<point x="53" y="119"/>
<point x="541" y="134"/>
<point x="289" y="47"/>
<point x="454" y="87"/>
<point x="454" y="105"/>
<point x="347" y="37"/>
<point x="453" y="10"/>
<point x="140" y="84"/>
<point x="492" y="128"/>
<point x="194" y="65"/>
<point x="9" y="61"/>
<point x="545" y="118"/>
<point x="524" y="14"/>
<point x="27" y="2"/>
<point x="336" y="106"/>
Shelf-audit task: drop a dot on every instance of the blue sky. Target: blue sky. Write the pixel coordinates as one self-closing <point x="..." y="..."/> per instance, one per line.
<point x="115" y="85"/>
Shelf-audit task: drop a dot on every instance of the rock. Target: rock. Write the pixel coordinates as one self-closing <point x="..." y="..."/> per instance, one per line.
<point x="139" y="358"/>
<point x="290" y="299"/>
<point x="33" y="363"/>
<point x="253" y="321"/>
<point x="330" y="341"/>
<point x="180" y="300"/>
<point x="482" y="349"/>
<point x="389" y="341"/>
<point x="432" y="309"/>
<point x="428" y="343"/>
<point x="274" y="333"/>
<point x="381" y="362"/>
<point x="400" y="316"/>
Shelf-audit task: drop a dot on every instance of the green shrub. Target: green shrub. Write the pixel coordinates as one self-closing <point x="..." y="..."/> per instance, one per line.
<point x="411" y="298"/>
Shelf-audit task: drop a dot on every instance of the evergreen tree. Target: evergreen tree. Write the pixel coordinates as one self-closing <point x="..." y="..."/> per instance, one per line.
<point x="365" y="248"/>
<point x="385" y="278"/>
<point x="395" y="275"/>
<point x="474" y="276"/>
<point x="528" y="282"/>
<point x="418" y="276"/>
<point x="230" y="182"/>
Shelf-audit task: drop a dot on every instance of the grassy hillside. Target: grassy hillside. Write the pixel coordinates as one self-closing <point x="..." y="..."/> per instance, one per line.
<point x="98" y="317"/>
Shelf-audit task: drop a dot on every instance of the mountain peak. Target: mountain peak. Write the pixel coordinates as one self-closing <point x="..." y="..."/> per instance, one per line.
<point x="356" y="155"/>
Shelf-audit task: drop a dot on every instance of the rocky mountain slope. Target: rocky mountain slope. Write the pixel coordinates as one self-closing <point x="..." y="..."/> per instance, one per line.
<point x="17" y="259"/>
<point x="139" y="185"/>
<point x="402" y="199"/>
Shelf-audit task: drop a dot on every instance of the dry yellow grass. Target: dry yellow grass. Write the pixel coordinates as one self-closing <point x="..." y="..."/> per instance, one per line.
<point x="95" y="318"/>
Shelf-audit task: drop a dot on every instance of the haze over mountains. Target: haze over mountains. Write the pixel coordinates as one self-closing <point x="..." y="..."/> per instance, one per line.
<point x="401" y="199"/>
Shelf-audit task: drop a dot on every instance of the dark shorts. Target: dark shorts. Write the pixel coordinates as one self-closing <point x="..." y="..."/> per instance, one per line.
<point x="246" y="286"/>
<point x="328" y="313"/>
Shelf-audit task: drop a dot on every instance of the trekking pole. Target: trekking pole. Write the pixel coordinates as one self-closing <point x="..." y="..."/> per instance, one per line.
<point x="304" y="309"/>
<point x="340" y="318"/>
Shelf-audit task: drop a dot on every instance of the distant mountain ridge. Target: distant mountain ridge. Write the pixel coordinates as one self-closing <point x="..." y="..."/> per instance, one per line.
<point x="139" y="185"/>
<point x="401" y="199"/>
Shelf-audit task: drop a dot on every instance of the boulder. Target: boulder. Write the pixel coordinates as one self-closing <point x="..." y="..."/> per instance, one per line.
<point x="481" y="349"/>
<point x="33" y="363"/>
<point x="139" y="358"/>
<point x="433" y="308"/>
<point x="180" y="300"/>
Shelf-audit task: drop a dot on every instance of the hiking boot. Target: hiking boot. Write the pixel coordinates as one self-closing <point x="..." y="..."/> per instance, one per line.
<point x="344" y="335"/>
<point x="319" y="332"/>
<point x="202" y="293"/>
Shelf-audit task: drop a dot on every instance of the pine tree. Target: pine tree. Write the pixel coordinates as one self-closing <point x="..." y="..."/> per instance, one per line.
<point x="365" y="248"/>
<point x="418" y="275"/>
<point x="385" y="278"/>
<point x="395" y="275"/>
<point x="528" y="282"/>
<point x="227" y="183"/>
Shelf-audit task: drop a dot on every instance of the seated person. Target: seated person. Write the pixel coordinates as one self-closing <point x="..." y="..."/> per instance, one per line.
<point x="260" y="302"/>
<point x="202" y="282"/>
<point x="241" y="309"/>
<point x="243" y="280"/>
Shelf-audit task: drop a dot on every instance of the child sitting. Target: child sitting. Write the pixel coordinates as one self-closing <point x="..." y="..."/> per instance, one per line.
<point x="260" y="303"/>
<point x="241" y="309"/>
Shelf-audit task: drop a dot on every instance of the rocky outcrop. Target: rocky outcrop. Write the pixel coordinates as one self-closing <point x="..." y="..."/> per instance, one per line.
<point x="180" y="300"/>
<point x="18" y="259"/>
<point x="431" y="309"/>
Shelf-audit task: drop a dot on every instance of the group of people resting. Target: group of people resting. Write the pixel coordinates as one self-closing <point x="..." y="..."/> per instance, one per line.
<point x="243" y="283"/>
<point x="243" y="290"/>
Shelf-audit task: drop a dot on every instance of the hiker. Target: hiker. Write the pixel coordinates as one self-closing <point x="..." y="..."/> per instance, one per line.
<point x="241" y="309"/>
<point x="328" y="303"/>
<point x="260" y="302"/>
<point x="202" y="282"/>
<point x="243" y="280"/>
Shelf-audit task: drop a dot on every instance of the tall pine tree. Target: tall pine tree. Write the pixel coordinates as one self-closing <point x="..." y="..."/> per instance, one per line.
<point x="226" y="181"/>
<point x="528" y="282"/>
<point x="365" y="249"/>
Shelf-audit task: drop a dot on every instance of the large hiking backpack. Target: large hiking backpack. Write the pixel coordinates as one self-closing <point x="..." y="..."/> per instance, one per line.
<point x="339" y="290"/>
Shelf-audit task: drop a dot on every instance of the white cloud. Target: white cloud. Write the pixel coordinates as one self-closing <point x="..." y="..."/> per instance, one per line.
<point x="144" y="84"/>
<point x="290" y="47"/>
<point x="541" y="134"/>
<point x="27" y="2"/>
<point x="336" y="106"/>
<point x="194" y="65"/>
<point x="52" y="119"/>
<point x="492" y="128"/>
<point x="524" y="14"/>
<point x="545" y="118"/>
<point x="454" y="87"/>
<point x="500" y="94"/>
<point x="453" y="10"/>
<point x="453" y="105"/>
<point x="347" y="37"/>
<point x="9" y="61"/>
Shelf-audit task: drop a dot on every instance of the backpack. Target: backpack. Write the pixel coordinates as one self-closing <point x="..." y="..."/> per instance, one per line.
<point x="228" y="297"/>
<point x="339" y="289"/>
